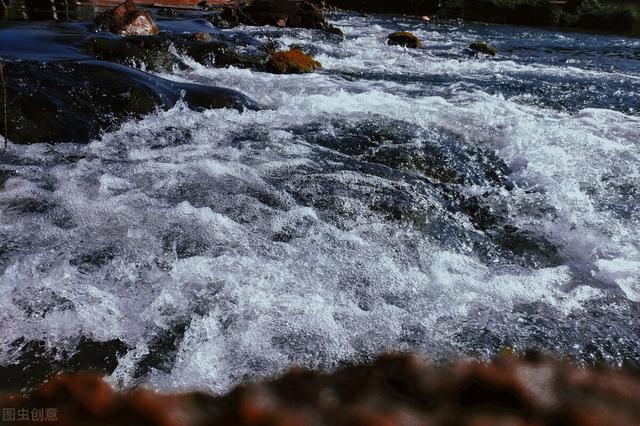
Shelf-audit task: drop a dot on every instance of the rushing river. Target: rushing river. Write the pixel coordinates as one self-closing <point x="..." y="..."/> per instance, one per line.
<point x="399" y="199"/>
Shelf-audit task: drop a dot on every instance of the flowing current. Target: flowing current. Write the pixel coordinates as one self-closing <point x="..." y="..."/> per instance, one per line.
<point x="423" y="200"/>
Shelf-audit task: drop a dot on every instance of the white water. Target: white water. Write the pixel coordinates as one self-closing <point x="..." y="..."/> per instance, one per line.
<point x="200" y="219"/>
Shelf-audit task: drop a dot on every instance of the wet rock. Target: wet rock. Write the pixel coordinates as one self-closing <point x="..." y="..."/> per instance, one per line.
<point x="126" y="20"/>
<point x="76" y="101"/>
<point x="483" y="47"/>
<point x="156" y="53"/>
<point x="150" y="53"/>
<point x="4" y="176"/>
<point x="293" y="61"/>
<point x="218" y="21"/>
<point x="222" y="54"/>
<point x="200" y="36"/>
<point x="167" y="11"/>
<point x="405" y="39"/>
<point x="331" y="29"/>
<point x="291" y="13"/>
<point x="34" y="361"/>
<point x="395" y="389"/>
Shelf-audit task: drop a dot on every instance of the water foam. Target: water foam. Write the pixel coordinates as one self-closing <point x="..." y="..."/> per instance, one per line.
<point x="235" y="245"/>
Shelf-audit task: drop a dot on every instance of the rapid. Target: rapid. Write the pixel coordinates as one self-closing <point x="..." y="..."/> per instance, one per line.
<point x="418" y="200"/>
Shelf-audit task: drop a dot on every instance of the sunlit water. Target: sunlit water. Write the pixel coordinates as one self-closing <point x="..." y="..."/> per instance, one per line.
<point x="399" y="199"/>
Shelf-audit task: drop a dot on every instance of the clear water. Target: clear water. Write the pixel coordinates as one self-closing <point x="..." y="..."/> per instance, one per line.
<point x="399" y="199"/>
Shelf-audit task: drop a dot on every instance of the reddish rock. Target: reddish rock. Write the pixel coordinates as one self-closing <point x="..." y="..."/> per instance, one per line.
<point x="293" y="61"/>
<point x="127" y="20"/>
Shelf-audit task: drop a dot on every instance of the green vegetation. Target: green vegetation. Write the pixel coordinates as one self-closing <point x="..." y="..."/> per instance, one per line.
<point x="614" y="16"/>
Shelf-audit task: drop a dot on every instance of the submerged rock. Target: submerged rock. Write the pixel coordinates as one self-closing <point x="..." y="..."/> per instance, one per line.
<point x="483" y="47"/>
<point x="293" y="61"/>
<point x="151" y="53"/>
<point x="75" y="101"/>
<point x="404" y="38"/>
<point x="127" y="20"/>
<point x="200" y="36"/>
<point x="396" y="389"/>
<point x="34" y="361"/>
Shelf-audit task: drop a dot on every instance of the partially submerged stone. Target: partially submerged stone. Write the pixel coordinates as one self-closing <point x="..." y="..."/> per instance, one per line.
<point x="405" y="39"/>
<point x="483" y="47"/>
<point x="75" y="101"/>
<point x="164" y="52"/>
<point x="200" y="36"/>
<point x="149" y="53"/>
<point x="293" y="61"/>
<point x="127" y="20"/>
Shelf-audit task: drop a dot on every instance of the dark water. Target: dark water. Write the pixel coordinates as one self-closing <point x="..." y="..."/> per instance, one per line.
<point x="423" y="200"/>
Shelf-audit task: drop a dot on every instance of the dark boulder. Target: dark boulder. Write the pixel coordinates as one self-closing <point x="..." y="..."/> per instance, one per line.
<point x="291" y="13"/>
<point x="218" y="21"/>
<point x="151" y="53"/>
<point x="404" y="38"/>
<point x="127" y="20"/>
<point x="156" y="53"/>
<point x="483" y="47"/>
<point x="75" y="101"/>
<point x="408" y="7"/>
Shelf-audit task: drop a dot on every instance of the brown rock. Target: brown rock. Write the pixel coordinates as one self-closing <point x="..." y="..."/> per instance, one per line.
<point x="404" y="38"/>
<point x="293" y="61"/>
<point x="126" y="20"/>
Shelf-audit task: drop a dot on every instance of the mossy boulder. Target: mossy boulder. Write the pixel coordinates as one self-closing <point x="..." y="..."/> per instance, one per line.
<point x="293" y="61"/>
<point x="405" y="39"/>
<point x="483" y="47"/>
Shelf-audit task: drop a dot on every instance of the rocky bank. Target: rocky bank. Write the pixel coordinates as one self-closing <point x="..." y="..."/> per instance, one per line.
<point x="397" y="389"/>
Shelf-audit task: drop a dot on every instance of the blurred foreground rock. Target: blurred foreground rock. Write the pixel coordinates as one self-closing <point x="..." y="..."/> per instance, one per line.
<point x="394" y="390"/>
